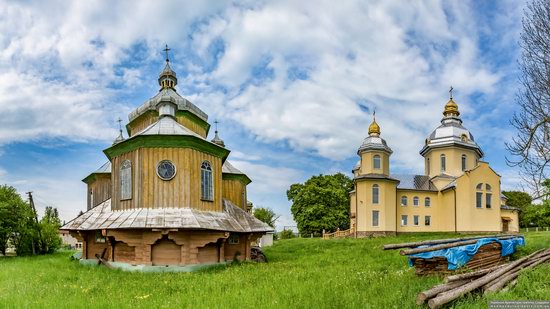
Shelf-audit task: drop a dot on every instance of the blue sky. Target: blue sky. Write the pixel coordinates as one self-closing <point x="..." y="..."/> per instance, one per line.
<point x="293" y="83"/>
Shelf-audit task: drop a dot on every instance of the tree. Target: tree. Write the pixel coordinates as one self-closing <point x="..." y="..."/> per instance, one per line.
<point x="49" y="227"/>
<point x="518" y="199"/>
<point x="531" y="146"/>
<point x="13" y="213"/>
<point x="266" y="215"/>
<point x="321" y="203"/>
<point x="286" y="234"/>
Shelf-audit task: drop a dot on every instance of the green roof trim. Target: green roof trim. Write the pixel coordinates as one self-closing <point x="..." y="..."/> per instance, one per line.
<point x="149" y="113"/>
<point x="93" y="177"/>
<point x="240" y="177"/>
<point x="166" y="141"/>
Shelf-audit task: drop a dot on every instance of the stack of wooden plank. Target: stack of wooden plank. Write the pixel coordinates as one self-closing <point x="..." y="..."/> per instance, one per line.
<point x="488" y="280"/>
<point x="488" y="255"/>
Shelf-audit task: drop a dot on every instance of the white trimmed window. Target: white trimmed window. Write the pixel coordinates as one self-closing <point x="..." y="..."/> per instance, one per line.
<point x="463" y="162"/>
<point x="403" y="220"/>
<point x="375" y="217"/>
<point x="404" y="200"/>
<point x="375" y="194"/>
<point x="427" y="220"/>
<point x="427" y="202"/>
<point x="376" y="161"/>
<point x="416" y="201"/>
<point x="207" y="192"/>
<point x="125" y="180"/>
<point x="443" y="163"/>
<point x="415" y="220"/>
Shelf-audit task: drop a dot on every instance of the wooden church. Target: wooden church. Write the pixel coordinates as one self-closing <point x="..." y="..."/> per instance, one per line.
<point x="167" y="195"/>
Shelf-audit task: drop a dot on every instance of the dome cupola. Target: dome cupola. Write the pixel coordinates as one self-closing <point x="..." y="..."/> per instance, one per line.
<point x="374" y="141"/>
<point x="167" y="78"/>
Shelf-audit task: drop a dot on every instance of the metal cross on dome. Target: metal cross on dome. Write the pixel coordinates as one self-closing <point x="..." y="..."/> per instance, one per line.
<point x="119" y="124"/>
<point x="451" y="92"/>
<point x="216" y="122"/>
<point x="166" y="50"/>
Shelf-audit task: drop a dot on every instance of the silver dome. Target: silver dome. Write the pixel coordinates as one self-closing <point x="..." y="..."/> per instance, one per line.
<point x="451" y="132"/>
<point x="374" y="143"/>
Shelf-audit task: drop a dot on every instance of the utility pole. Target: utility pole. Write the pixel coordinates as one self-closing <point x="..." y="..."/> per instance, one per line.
<point x="40" y="245"/>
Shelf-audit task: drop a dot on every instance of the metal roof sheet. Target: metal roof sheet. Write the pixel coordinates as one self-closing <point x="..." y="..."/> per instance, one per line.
<point x="414" y="182"/>
<point x="232" y="219"/>
<point x="168" y="95"/>
<point x="228" y="168"/>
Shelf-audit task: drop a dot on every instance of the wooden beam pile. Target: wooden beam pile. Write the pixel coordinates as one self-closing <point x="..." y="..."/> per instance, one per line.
<point x="487" y="256"/>
<point x="487" y="280"/>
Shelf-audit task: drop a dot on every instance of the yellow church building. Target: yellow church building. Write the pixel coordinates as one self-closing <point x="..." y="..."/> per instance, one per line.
<point x="458" y="192"/>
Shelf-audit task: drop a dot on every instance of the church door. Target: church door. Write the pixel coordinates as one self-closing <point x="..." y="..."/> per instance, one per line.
<point x="505" y="225"/>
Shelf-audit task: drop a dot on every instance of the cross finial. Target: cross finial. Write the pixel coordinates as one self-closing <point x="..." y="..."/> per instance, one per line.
<point x="216" y="124"/>
<point x="451" y="92"/>
<point x="119" y="124"/>
<point x="374" y="114"/>
<point x="166" y="50"/>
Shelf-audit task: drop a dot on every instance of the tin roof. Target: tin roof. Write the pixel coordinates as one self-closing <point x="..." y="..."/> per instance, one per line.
<point x="228" y="168"/>
<point x="168" y="95"/>
<point x="231" y="219"/>
<point x="414" y="182"/>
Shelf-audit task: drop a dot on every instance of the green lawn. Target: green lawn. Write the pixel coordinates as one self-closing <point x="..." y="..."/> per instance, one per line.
<point x="301" y="273"/>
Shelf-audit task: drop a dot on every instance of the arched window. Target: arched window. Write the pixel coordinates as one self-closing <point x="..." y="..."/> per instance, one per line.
<point x="404" y="200"/>
<point x="488" y="187"/>
<point x="125" y="180"/>
<point x="415" y="201"/>
<point x="488" y="195"/>
<point x="206" y="181"/>
<point x="376" y="161"/>
<point x="375" y="194"/>
<point x="443" y="163"/>
<point x="427" y="202"/>
<point x="463" y="162"/>
<point x="479" y="196"/>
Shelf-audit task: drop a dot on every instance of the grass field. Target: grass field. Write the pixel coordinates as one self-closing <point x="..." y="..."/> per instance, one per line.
<point x="301" y="273"/>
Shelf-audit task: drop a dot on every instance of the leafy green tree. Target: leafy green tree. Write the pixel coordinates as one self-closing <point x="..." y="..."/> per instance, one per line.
<point x="286" y="234"/>
<point x="536" y="215"/>
<point x="322" y="202"/>
<point x="518" y="199"/>
<point x="266" y="215"/>
<point x="49" y="227"/>
<point x="13" y="213"/>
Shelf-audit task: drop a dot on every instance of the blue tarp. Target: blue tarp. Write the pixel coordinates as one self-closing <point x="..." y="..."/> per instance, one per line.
<point x="459" y="256"/>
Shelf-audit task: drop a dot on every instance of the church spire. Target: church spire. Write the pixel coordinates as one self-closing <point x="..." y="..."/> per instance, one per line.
<point x="120" y="137"/>
<point x="374" y="128"/>
<point x="167" y="78"/>
<point x="217" y="140"/>
<point x="451" y="108"/>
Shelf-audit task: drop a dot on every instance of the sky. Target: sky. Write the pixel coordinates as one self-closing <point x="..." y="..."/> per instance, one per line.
<point x="292" y="83"/>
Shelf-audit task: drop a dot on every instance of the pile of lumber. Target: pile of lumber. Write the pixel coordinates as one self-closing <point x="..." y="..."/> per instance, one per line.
<point x="487" y="256"/>
<point x="487" y="281"/>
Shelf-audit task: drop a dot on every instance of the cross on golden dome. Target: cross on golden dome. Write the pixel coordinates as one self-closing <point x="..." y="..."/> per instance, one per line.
<point x="374" y="128"/>
<point x="451" y="108"/>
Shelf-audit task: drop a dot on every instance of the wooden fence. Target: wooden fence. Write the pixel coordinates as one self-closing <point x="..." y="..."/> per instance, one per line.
<point x="535" y="229"/>
<point x="338" y="234"/>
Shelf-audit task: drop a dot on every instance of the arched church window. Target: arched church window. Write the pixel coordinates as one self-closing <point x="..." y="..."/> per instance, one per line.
<point x="416" y="201"/>
<point x="206" y="181"/>
<point x="479" y="196"/>
<point x="404" y="200"/>
<point x="463" y="162"/>
<point x="443" y="163"/>
<point x="427" y="202"/>
<point x="375" y="194"/>
<point x="125" y="180"/>
<point x="376" y="161"/>
<point x="488" y="187"/>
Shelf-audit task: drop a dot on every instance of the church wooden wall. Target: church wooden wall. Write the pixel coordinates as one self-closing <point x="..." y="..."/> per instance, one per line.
<point x="209" y="254"/>
<point x="100" y="189"/>
<point x="233" y="191"/>
<point x="93" y="247"/>
<point x="124" y="253"/>
<point x="146" y="120"/>
<point x="184" y="190"/>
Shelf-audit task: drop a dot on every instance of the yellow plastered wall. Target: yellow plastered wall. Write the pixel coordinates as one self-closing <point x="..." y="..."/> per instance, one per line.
<point x="385" y="206"/>
<point x="182" y="191"/>
<point x="470" y="218"/>
<point x="453" y="161"/>
<point x="435" y="211"/>
<point x="513" y="226"/>
<point x="367" y="163"/>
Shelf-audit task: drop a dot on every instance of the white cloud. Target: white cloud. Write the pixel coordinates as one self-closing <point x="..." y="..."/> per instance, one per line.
<point x="268" y="179"/>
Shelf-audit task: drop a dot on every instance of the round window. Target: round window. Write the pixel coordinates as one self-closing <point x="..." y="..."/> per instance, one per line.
<point x="166" y="170"/>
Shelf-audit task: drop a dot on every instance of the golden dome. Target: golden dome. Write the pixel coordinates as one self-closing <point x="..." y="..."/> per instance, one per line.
<point x="374" y="128"/>
<point x="451" y="109"/>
